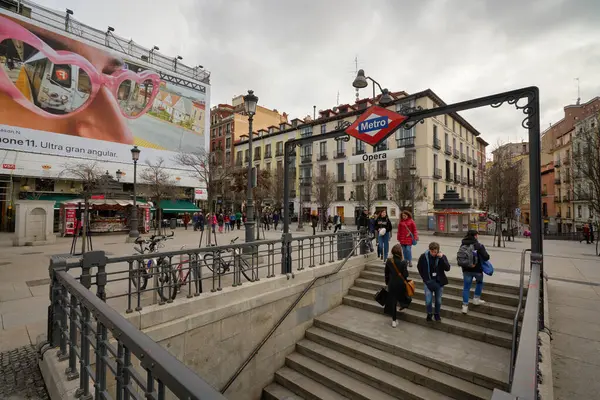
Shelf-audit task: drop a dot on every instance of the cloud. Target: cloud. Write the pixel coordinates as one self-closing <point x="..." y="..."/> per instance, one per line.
<point x="298" y="54"/>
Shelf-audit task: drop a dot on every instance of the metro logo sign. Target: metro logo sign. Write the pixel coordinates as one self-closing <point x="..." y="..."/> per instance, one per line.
<point x="375" y="124"/>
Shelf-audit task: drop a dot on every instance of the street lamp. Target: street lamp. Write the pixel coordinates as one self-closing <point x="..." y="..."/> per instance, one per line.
<point x="360" y="82"/>
<point x="133" y="228"/>
<point x="250" y="101"/>
<point x="119" y="175"/>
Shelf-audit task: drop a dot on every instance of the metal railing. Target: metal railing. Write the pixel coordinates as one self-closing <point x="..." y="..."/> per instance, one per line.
<point x="79" y="324"/>
<point x="513" y="350"/>
<point x="289" y="310"/>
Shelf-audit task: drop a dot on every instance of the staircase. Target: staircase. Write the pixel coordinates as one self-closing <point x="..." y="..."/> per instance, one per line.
<point x="352" y="351"/>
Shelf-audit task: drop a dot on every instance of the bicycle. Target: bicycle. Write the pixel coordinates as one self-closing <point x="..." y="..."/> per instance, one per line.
<point x="182" y="279"/>
<point x="143" y="271"/>
<point x="216" y="259"/>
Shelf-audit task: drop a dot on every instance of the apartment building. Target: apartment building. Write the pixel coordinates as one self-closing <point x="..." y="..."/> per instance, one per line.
<point x="557" y="146"/>
<point x="445" y="152"/>
<point x="548" y="202"/>
<point x="519" y="154"/>
<point x="229" y="122"/>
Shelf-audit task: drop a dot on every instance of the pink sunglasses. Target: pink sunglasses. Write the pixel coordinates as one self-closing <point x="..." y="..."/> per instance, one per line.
<point x="148" y="81"/>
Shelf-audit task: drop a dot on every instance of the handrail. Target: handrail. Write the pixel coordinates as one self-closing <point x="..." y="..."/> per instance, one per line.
<point x="284" y="316"/>
<point x="513" y="350"/>
<point x="175" y="375"/>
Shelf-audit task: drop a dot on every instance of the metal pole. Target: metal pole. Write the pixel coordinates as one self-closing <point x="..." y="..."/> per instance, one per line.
<point x="286" y="237"/>
<point x="133" y="229"/>
<point x="249" y="226"/>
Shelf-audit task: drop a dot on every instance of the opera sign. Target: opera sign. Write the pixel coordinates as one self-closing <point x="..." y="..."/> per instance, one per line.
<point x="375" y="124"/>
<point x="379" y="156"/>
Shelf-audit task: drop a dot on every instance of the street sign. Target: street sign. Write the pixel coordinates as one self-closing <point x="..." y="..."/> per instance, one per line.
<point x="379" y="156"/>
<point x="375" y="124"/>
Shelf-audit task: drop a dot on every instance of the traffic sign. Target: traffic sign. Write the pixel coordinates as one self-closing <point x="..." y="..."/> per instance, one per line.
<point x="375" y="124"/>
<point x="378" y="156"/>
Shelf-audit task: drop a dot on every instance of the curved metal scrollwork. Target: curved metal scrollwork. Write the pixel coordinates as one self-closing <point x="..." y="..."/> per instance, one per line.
<point x="406" y="111"/>
<point x="344" y="138"/>
<point x="529" y="108"/>
<point x="342" y="124"/>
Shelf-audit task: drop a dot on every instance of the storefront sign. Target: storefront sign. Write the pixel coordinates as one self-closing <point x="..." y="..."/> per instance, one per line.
<point x="70" y="221"/>
<point x="200" y="194"/>
<point x="442" y="223"/>
<point x="9" y="166"/>
<point x="146" y="220"/>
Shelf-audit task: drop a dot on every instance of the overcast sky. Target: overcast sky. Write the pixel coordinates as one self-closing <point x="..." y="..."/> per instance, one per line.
<point x="296" y="54"/>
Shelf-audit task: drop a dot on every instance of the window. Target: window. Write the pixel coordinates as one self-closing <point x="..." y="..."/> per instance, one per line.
<point x="340" y="172"/>
<point x="228" y="158"/>
<point x="360" y="172"/>
<point x="435" y="161"/>
<point x="279" y="165"/>
<point x="461" y="172"/>
<point x="360" y="145"/>
<point x="435" y="133"/>
<point x="381" y="146"/>
<point x="322" y="149"/>
<point x="381" y="191"/>
<point x="306" y="131"/>
<point x="435" y="191"/>
<point x="455" y="170"/>
<point x="405" y="137"/>
<point x="446" y="141"/>
<point x="340" y="193"/>
<point x="279" y="148"/>
<point x="268" y="166"/>
<point x="461" y="147"/>
<point x="454" y="126"/>
<point x="247" y="154"/>
<point x="579" y="213"/>
<point x="381" y="168"/>
<point x="462" y="193"/>
<point x="340" y="146"/>
<point x="360" y="193"/>
<point x="446" y="120"/>
<point x="323" y="128"/>
<point x="44" y="185"/>
<point x="448" y="171"/>
<point x="228" y="128"/>
<point x="268" y="150"/>
<point x="323" y="170"/>
<point x="454" y="144"/>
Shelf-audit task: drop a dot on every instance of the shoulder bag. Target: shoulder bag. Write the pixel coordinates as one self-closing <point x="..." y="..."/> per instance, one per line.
<point x="410" y="285"/>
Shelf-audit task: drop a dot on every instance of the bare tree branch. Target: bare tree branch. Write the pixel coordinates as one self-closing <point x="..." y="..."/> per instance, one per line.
<point x="365" y="186"/>
<point x="324" y="190"/>
<point x="586" y="164"/>
<point x="159" y="185"/>
<point x="404" y="185"/>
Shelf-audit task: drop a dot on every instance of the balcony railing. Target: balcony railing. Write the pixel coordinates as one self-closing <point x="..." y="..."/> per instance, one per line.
<point x="437" y="173"/>
<point x="268" y="154"/>
<point x="449" y="176"/>
<point x="582" y="197"/>
<point x="306" y="181"/>
<point x="381" y="196"/>
<point x="568" y="179"/>
<point x="340" y="198"/>
<point x="256" y="156"/>
<point x="566" y="198"/>
<point x="382" y="175"/>
<point x="463" y="180"/>
<point x="436" y="196"/>
<point x="456" y="179"/>
<point x="544" y="193"/>
<point x="448" y="150"/>
<point x="341" y="179"/>
<point x="358" y="178"/>
<point x="306" y="159"/>
<point x="322" y="157"/>
<point x="437" y="143"/>
<point x="557" y="180"/>
<point x="339" y="154"/>
<point x="469" y="160"/>
<point x="469" y="182"/>
<point x="279" y="153"/>
<point x="305" y="198"/>
<point x="246" y="159"/>
<point x="556" y="163"/>
<point x="405" y="142"/>
<point x="557" y="199"/>
<point x="456" y="154"/>
<point x="463" y="156"/>
<point x="356" y="151"/>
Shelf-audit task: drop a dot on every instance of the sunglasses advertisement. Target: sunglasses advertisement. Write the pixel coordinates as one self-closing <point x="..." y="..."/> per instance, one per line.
<point x="62" y="96"/>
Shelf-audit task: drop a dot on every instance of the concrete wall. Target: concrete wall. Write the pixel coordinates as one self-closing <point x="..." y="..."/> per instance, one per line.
<point x="214" y="334"/>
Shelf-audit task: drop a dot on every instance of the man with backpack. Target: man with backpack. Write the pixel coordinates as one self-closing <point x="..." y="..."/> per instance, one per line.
<point x="469" y="257"/>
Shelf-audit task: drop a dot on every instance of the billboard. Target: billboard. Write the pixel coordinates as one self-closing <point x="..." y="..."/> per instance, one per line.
<point x="62" y="96"/>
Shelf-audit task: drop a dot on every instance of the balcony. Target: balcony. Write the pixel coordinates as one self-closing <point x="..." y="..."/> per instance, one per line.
<point x="448" y="150"/>
<point x="339" y="154"/>
<point x="268" y="155"/>
<point x="341" y="179"/>
<point x="306" y="181"/>
<point x="381" y="175"/>
<point x="566" y="161"/>
<point x="544" y="194"/>
<point x="246" y="159"/>
<point x="305" y="198"/>
<point x="356" y="151"/>
<point x="456" y="153"/>
<point x="583" y="197"/>
<point x="463" y="180"/>
<point x="449" y="176"/>
<point x="556" y="163"/>
<point x="306" y="159"/>
<point x="381" y="196"/>
<point x="238" y="162"/>
<point x="567" y="179"/>
<point x="557" y="199"/>
<point x="279" y="153"/>
<point x="358" y="177"/>
<point x="256" y="156"/>
<point x="293" y="193"/>
<point x="463" y="157"/>
<point x="437" y="173"/>
<point x="436" y="197"/>
<point x="456" y="179"/>
<point x="469" y="182"/>
<point x="322" y="157"/>
<point x="405" y="142"/>
<point x="557" y="180"/>
<point x="437" y="143"/>
<point x="469" y="160"/>
<point x="566" y="198"/>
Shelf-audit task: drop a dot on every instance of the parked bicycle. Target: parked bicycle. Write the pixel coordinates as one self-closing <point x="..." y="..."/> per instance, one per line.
<point x="217" y="260"/>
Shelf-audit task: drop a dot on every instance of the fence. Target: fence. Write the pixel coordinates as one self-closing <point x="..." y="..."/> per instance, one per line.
<point x="98" y="341"/>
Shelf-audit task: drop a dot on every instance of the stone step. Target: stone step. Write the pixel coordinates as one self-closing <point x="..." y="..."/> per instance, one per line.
<point x="455" y="289"/>
<point x="496" y="287"/>
<point x="277" y="392"/>
<point x="476" y="332"/>
<point x="476" y="361"/>
<point x="374" y="376"/>
<point x="304" y="386"/>
<point x="412" y="371"/>
<point x="473" y="317"/>
<point x="341" y="383"/>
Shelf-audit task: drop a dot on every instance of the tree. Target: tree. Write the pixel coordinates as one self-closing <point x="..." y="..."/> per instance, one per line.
<point x="90" y="175"/>
<point x="211" y="174"/>
<point x="239" y="184"/>
<point x="504" y="187"/>
<point x="586" y="163"/>
<point x="159" y="185"/>
<point x="277" y="189"/>
<point x="324" y="190"/>
<point x="365" y="186"/>
<point x="404" y="187"/>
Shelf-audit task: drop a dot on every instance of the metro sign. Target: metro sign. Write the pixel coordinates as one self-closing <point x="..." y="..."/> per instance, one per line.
<point x="375" y="124"/>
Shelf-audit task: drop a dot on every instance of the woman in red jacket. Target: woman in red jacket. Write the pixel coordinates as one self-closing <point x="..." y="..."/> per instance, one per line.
<point x="407" y="235"/>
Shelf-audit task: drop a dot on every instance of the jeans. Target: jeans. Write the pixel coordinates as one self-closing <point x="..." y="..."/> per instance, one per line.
<point x="407" y="252"/>
<point x="384" y="243"/>
<point x="468" y="281"/>
<point x="429" y="299"/>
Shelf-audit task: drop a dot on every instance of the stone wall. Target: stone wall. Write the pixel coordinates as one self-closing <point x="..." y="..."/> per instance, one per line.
<point x="214" y="333"/>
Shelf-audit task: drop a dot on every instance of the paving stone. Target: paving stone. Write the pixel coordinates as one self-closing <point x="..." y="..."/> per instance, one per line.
<point x="20" y="376"/>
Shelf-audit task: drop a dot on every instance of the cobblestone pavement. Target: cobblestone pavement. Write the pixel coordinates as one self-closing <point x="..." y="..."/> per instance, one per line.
<point x="20" y="376"/>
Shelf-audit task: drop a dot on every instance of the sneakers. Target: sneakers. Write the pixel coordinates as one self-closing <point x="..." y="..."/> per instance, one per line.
<point x="428" y="317"/>
<point x="438" y="318"/>
<point x="477" y="301"/>
<point x="465" y="308"/>
<point x="394" y="324"/>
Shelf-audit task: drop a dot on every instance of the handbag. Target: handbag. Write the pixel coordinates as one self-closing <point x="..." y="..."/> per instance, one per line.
<point x="487" y="268"/>
<point x="381" y="296"/>
<point x="414" y="242"/>
<point x="410" y="285"/>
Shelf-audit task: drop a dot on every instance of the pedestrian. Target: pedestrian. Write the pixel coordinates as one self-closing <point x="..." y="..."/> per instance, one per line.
<point x="591" y="224"/>
<point x="238" y="219"/>
<point x="383" y="225"/>
<point x="314" y="223"/>
<point x="201" y="221"/>
<point x="363" y="227"/>
<point x="337" y="222"/>
<point x="586" y="233"/>
<point x="469" y="257"/>
<point x="432" y="266"/>
<point x="213" y="222"/>
<point x="275" y="220"/>
<point x="186" y="220"/>
<point x="407" y="235"/>
<point x="220" y="222"/>
<point x="396" y="276"/>
<point x="227" y="223"/>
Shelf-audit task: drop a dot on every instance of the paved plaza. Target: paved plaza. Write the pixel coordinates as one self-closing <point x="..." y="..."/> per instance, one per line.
<point x="572" y="268"/>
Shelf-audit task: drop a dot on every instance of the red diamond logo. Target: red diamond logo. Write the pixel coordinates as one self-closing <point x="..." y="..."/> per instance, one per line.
<point x="375" y="124"/>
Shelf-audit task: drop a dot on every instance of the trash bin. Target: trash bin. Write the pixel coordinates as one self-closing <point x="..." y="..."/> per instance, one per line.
<point x="173" y="223"/>
<point x="345" y="243"/>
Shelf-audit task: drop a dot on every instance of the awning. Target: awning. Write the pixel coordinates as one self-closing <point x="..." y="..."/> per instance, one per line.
<point x="105" y="202"/>
<point x="57" y="198"/>
<point x="178" y="206"/>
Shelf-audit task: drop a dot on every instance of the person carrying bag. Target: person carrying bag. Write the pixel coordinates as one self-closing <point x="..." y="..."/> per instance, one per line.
<point x="432" y="266"/>
<point x="399" y="288"/>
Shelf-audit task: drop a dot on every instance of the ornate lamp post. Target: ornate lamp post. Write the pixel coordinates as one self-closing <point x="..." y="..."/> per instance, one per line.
<point x="133" y="228"/>
<point x="360" y="82"/>
<point x="250" y="101"/>
<point x="119" y="175"/>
